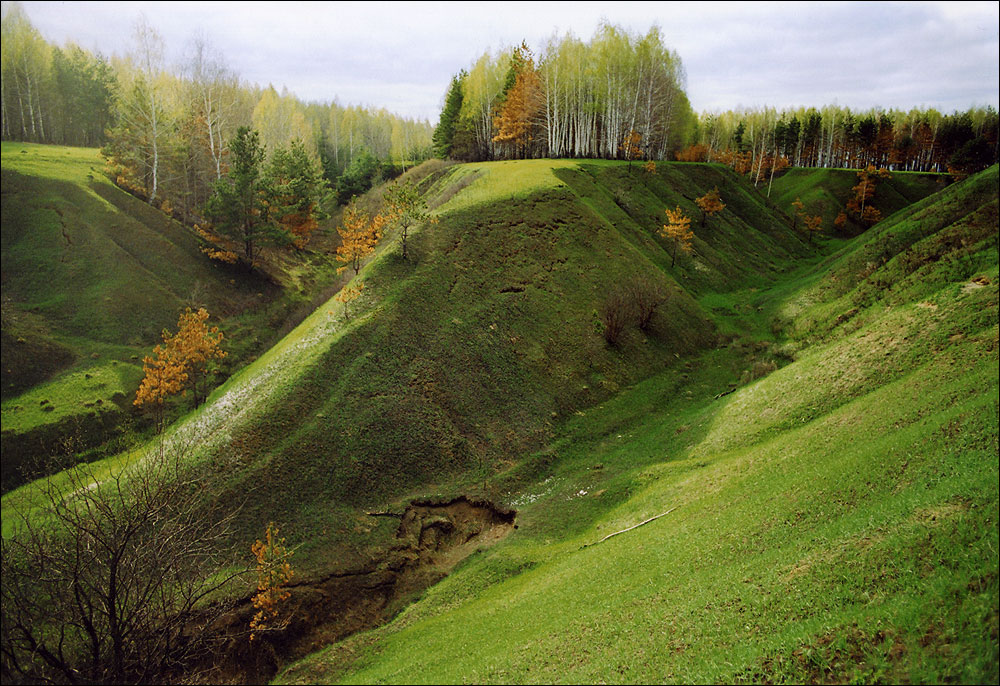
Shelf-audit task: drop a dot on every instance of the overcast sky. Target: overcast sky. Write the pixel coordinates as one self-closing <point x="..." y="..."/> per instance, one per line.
<point x="401" y="55"/>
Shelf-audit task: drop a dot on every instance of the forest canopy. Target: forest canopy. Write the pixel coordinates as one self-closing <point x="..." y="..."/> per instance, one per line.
<point x="166" y="127"/>
<point x="575" y="99"/>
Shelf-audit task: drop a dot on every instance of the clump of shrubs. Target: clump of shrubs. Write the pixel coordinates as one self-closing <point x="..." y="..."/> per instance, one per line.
<point x="632" y="303"/>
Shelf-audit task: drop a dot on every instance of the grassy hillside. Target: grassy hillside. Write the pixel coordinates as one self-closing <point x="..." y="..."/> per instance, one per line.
<point x="91" y="276"/>
<point x="463" y="359"/>
<point x="828" y="476"/>
<point x="833" y="521"/>
<point x="826" y="191"/>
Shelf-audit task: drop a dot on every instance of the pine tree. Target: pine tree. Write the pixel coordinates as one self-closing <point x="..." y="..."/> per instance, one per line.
<point x="239" y="208"/>
<point x="296" y="187"/>
<point x="444" y="134"/>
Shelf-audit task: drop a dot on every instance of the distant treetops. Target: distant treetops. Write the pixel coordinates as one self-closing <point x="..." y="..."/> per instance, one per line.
<point x="756" y="141"/>
<point x="166" y="129"/>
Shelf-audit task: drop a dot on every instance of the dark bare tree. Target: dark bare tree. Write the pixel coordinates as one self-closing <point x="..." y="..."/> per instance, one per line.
<point x="106" y="581"/>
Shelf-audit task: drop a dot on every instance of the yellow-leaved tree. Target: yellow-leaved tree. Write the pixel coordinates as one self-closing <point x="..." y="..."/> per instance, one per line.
<point x="347" y="295"/>
<point x="181" y="361"/>
<point x="859" y="206"/>
<point x="164" y="375"/>
<point x="710" y="203"/>
<point x="359" y="235"/>
<point x="799" y="211"/>
<point x="631" y="147"/>
<point x="274" y="571"/>
<point x="197" y="345"/>
<point x="518" y="116"/>
<point x="813" y="225"/>
<point x="678" y="229"/>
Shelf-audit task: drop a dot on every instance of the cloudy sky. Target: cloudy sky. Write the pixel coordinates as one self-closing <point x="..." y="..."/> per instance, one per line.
<point x="401" y="55"/>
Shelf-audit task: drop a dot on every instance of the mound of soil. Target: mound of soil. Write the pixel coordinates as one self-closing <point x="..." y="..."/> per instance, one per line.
<point x="431" y="539"/>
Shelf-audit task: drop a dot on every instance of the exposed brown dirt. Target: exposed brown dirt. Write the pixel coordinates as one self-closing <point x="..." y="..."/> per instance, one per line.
<point x="431" y="539"/>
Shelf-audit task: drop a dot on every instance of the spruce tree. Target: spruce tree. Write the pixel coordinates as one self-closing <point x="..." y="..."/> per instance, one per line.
<point x="444" y="134"/>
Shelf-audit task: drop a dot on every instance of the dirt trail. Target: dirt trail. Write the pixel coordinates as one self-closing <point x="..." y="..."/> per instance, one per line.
<point x="432" y="538"/>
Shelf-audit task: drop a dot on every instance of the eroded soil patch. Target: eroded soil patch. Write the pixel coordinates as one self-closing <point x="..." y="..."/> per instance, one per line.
<point x="431" y="539"/>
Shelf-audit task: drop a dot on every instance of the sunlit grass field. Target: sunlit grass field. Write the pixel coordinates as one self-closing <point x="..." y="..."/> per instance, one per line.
<point x="835" y="520"/>
<point x="817" y="424"/>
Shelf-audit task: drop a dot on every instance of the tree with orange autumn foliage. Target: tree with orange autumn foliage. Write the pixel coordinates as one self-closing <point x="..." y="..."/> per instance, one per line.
<point x="164" y="375"/>
<point x="710" y="203"/>
<point x="840" y="221"/>
<point x="273" y="572"/>
<point x="359" y="235"/>
<point x="197" y="345"/>
<point x="678" y="229"/>
<point x="516" y="119"/>
<point x="181" y="361"/>
<point x="650" y="167"/>
<point x="859" y="206"/>
<point x="799" y="210"/>
<point x="347" y="295"/>
<point x="813" y="225"/>
<point x="693" y="153"/>
<point x="631" y="147"/>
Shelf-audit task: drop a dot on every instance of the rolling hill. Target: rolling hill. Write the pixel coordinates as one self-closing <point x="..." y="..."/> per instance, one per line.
<point x="805" y="435"/>
<point x="91" y="276"/>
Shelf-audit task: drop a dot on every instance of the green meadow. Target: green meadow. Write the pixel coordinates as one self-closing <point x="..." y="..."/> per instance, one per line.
<point x="797" y="459"/>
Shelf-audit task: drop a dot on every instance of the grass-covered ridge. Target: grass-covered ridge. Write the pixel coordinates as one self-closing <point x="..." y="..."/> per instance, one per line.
<point x="462" y="360"/>
<point x="91" y="276"/>
<point x="826" y="191"/>
<point x="834" y="521"/>
<point x="829" y="475"/>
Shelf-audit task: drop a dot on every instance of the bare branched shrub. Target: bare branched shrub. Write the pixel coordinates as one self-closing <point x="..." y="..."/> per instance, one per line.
<point x="646" y="295"/>
<point x="616" y="314"/>
<point x="105" y="581"/>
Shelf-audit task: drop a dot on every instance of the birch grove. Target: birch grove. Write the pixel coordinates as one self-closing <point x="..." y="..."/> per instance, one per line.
<point x="592" y="95"/>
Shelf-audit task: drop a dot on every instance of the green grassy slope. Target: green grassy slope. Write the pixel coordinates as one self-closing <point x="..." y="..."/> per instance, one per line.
<point x="835" y="521"/>
<point x="826" y="191"/>
<point x="91" y="276"/>
<point x="461" y="360"/>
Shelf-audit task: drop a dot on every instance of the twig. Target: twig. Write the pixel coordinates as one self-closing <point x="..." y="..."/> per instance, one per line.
<point x="385" y="514"/>
<point x="635" y="526"/>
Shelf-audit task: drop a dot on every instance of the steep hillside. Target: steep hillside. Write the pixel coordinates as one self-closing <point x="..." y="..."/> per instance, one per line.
<point x="794" y="454"/>
<point x="91" y="276"/>
<point x="834" y="521"/>
<point x="462" y="359"/>
<point x="826" y="191"/>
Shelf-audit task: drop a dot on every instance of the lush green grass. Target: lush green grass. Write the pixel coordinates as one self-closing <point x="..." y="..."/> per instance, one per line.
<point x="835" y="520"/>
<point x="826" y="191"/>
<point x="465" y="357"/>
<point x="835" y="514"/>
<point x="91" y="277"/>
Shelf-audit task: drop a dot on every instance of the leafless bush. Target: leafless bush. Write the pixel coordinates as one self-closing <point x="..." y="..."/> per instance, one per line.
<point x="616" y="314"/>
<point x="105" y="581"/>
<point x="646" y="295"/>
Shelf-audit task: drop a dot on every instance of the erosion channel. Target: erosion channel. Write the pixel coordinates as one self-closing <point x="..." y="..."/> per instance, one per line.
<point x="432" y="537"/>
